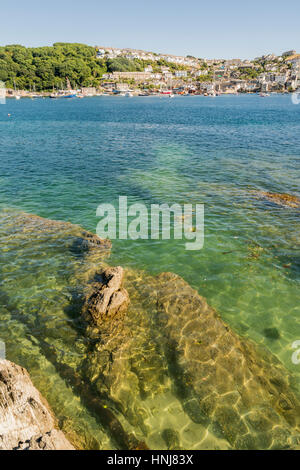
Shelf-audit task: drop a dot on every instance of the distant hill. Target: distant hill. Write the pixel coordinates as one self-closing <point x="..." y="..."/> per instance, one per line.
<point x="43" y="68"/>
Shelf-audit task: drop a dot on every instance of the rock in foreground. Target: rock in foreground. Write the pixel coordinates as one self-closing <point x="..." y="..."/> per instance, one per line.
<point x="26" y="422"/>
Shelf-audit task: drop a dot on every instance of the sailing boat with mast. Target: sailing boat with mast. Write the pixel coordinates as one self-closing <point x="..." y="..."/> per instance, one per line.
<point x="71" y="93"/>
<point x="18" y="97"/>
<point x="67" y="93"/>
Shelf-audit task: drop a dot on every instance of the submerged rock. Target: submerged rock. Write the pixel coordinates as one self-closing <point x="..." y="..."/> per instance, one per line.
<point x="240" y="392"/>
<point x="284" y="200"/>
<point x="107" y="300"/>
<point x="171" y="439"/>
<point x="271" y="333"/>
<point x="75" y="237"/>
<point x="26" y="422"/>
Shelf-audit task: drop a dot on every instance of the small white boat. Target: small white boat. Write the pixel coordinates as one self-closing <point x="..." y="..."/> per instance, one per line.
<point x="18" y="97"/>
<point x="129" y="94"/>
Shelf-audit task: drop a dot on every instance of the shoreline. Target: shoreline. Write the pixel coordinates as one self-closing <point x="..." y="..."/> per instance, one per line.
<point x="22" y="94"/>
<point x="27" y="95"/>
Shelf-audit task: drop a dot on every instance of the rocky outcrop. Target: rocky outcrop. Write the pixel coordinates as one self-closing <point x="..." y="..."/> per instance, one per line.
<point x="107" y="301"/>
<point x="126" y="362"/>
<point x="26" y="422"/>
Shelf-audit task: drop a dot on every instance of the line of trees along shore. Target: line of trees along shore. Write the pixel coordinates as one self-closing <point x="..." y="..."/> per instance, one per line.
<point x="45" y="68"/>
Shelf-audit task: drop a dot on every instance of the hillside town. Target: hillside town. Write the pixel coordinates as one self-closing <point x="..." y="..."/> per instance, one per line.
<point x="182" y="75"/>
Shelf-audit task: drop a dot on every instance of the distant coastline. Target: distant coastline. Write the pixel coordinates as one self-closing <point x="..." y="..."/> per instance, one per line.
<point x="67" y="68"/>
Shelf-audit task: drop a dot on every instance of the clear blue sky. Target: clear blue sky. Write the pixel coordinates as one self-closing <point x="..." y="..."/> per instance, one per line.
<point x="215" y="28"/>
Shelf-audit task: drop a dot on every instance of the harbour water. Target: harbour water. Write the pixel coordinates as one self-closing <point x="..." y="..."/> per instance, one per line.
<point x="61" y="159"/>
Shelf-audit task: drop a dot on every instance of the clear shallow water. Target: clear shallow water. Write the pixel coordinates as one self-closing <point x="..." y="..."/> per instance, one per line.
<point x="60" y="159"/>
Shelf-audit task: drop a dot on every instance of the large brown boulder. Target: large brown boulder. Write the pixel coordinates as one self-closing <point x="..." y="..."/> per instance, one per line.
<point x="26" y="421"/>
<point x="107" y="301"/>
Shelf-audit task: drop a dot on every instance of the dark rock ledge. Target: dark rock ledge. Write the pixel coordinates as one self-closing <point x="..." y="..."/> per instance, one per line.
<point x="26" y="421"/>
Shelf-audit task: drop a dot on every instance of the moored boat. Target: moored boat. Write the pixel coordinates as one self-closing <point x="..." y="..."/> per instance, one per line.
<point x="72" y="95"/>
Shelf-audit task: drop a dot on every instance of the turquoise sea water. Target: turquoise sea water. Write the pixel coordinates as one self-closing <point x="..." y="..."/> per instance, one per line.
<point x="60" y="159"/>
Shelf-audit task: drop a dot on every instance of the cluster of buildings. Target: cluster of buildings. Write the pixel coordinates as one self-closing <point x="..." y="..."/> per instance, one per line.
<point x="113" y="53"/>
<point x="269" y="73"/>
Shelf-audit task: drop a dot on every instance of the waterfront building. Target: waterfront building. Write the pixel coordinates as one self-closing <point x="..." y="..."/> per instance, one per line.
<point x="88" y="91"/>
<point x="137" y="76"/>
